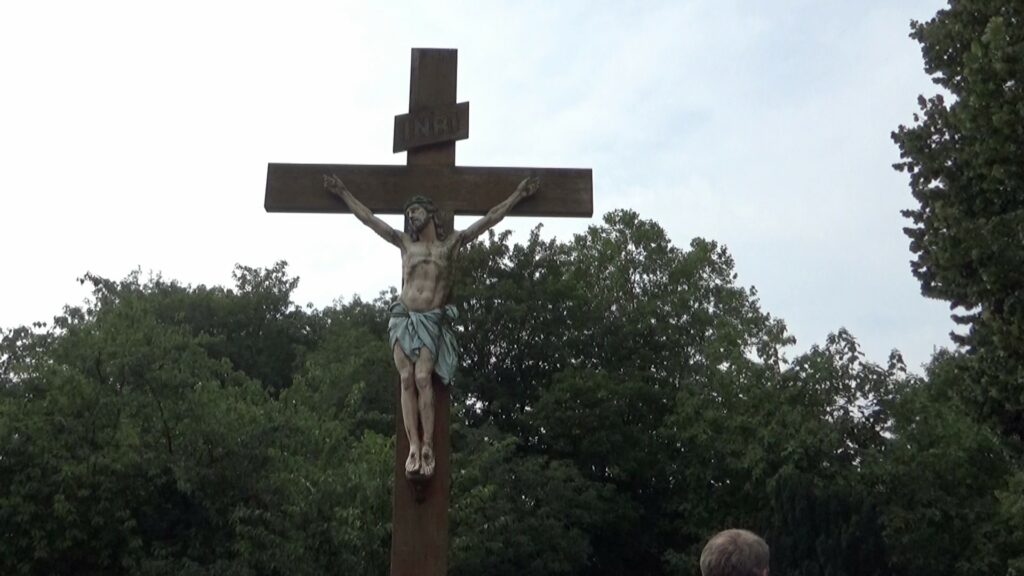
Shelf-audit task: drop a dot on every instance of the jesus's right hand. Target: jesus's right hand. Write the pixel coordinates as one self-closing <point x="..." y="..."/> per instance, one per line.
<point x="334" y="185"/>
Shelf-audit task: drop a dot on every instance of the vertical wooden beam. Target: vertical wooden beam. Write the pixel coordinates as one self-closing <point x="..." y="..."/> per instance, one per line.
<point x="419" y="525"/>
<point x="419" y="528"/>
<point x="432" y="82"/>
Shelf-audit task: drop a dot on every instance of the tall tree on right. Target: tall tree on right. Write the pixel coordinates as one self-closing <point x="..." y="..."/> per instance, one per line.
<point x="964" y="154"/>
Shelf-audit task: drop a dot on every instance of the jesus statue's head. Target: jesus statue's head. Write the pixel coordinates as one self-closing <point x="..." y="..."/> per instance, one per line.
<point x="420" y="211"/>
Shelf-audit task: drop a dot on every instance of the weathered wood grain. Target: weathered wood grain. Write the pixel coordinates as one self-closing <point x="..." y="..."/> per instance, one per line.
<point x="431" y="126"/>
<point x="462" y="189"/>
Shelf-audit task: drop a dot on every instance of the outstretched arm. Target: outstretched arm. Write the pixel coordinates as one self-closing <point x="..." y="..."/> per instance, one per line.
<point x="528" y="187"/>
<point x="335" y="186"/>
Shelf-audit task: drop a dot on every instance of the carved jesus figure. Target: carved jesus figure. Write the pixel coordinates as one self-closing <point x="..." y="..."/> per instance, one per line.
<point x="419" y="330"/>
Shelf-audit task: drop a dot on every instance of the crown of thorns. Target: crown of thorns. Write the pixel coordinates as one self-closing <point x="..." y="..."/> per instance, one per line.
<point x="427" y="203"/>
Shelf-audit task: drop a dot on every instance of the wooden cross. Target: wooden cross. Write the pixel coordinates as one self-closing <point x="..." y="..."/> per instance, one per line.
<point x="419" y="539"/>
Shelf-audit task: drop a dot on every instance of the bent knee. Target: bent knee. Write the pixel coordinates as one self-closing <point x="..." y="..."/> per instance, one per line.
<point x="406" y="376"/>
<point x="423" y="380"/>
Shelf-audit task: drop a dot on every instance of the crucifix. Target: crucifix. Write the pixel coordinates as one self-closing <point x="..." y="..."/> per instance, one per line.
<point x="429" y="190"/>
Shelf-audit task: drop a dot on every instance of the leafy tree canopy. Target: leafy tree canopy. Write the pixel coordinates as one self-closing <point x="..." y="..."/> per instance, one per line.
<point x="965" y="157"/>
<point x="620" y="399"/>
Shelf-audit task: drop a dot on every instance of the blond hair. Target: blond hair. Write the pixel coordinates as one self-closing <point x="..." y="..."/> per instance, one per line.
<point x="734" y="553"/>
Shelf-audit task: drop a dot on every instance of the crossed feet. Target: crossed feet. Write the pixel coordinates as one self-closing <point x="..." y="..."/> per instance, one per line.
<point x="420" y="461"/>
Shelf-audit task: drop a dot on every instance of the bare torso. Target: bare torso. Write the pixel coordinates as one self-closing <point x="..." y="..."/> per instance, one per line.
<point x="426" y="274"/>
<point x="427" y="269"/>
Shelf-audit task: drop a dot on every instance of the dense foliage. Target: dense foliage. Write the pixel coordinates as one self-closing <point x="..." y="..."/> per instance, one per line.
<point x="965" y="157"/>
<point x="619" y="400"/>
<point x="964" y="154"/>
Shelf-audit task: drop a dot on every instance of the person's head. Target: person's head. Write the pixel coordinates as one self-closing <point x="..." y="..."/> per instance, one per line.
<point x="735" y="553"/>
<point x="419" y="213"/>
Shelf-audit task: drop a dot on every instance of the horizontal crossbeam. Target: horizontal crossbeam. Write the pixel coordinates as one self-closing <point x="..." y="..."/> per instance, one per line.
<point x="459" y="189"/>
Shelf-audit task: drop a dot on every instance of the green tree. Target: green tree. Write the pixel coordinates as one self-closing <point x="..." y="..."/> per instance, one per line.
<point x="133" y="441"/>
<point x="938" y="479"/>
<point x="621" y="399"/>
<point x="351" y="372"/>
<point x="784" y="454"/>
<point x="964" y="156"/>
<point x="515" y="513"/>
<point x="657" y="377"/>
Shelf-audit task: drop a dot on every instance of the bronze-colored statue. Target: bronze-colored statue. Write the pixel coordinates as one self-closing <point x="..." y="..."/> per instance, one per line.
<point x="420" y="327"/>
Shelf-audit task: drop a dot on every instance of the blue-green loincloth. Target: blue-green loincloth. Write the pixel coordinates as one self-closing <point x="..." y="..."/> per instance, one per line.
<point x="432" y="330"/>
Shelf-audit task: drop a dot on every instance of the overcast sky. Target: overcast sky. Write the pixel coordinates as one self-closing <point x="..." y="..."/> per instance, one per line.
<point x="137" y="134"/>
